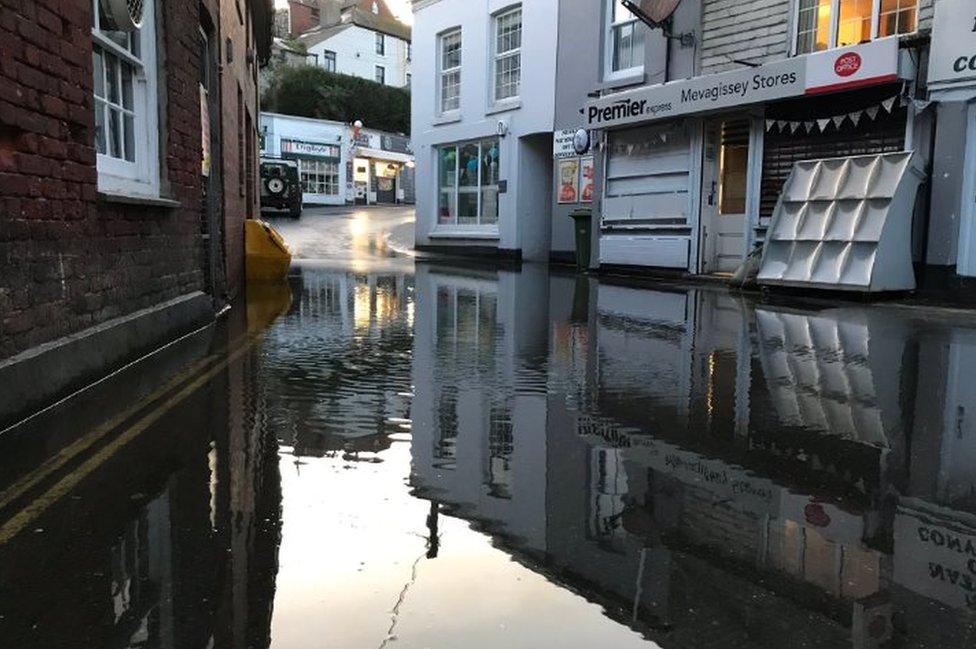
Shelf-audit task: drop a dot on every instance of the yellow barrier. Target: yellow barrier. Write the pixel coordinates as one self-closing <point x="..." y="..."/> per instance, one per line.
<point x="266" y="254"/>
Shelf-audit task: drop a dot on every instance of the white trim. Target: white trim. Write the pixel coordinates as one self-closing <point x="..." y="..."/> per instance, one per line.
<point x="139" y="178"/>
<point x="464" y="232"/>
<point x="834" y="26"/>
<point x="609" y="74"/>
<point x="496" y="56"/>
<point x="442" y="72"/>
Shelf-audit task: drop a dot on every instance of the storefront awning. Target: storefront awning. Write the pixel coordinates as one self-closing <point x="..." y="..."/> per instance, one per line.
<point x="378" y="154"/>
<point x="829" y="71"/>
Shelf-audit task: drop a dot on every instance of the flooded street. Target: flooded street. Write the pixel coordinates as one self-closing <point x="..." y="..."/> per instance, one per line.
<point x="384" y="453"/>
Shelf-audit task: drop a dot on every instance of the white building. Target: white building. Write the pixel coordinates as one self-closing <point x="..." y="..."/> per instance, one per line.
<point x="483" y="138"/>
<point x="363" y="39"/>
<point x="339" y="164"/>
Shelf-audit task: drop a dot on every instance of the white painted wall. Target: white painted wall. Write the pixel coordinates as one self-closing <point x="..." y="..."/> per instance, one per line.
<point x="276" y="127"/>
<point x="531" y="114"/>
<point x="355" y="49"/>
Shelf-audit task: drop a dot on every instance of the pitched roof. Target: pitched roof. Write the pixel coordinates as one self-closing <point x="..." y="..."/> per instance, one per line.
<point x="360" y="12"/>
<point x="316" y="35"/>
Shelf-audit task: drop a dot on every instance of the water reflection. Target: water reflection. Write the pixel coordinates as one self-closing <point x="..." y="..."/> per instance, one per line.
<point x="712" y="471"/>
<point x="447" y="457"/>
<point x="167" y="538"/>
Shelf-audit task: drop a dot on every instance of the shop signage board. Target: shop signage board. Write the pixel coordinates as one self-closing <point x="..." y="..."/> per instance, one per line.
<point x="935" y="556"/>
<point x="562" y="144"/>
<point x="309" y="149"/>
<point x="952" y="58"/>
<point x="836" y="69"/>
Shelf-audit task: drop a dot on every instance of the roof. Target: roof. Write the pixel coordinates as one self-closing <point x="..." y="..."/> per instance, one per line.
<point x="316" y="35"/>
<point x="377" y="22"/>
<point x="360" y="13"/>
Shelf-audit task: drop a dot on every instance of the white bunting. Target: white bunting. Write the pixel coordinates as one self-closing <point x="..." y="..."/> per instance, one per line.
<point x="838" y="120"/>
<point x="794" y="127"/>
<point x="822" y="123"/>
<point x="889" y="104"/>
<point x="855" y="117"/>
<point x="872" y="112"/>
<point x="809" y="126"/>
<point x="783" y="125"/>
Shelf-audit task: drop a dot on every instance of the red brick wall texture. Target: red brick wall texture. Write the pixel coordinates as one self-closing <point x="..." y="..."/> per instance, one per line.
<point x="69" y="260"/>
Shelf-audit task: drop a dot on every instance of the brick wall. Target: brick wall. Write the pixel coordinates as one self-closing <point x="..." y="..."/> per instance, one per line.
<point x="756" y="30"/>
<point x="305" y="14"/>
<point x="240" y="193"/>
<point x="69" y="260"/>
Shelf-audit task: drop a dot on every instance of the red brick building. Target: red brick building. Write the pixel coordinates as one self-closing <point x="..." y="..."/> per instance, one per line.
<point x="114" y="236"/>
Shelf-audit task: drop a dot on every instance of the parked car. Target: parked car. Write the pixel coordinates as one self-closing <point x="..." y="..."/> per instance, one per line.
<point x="281" y="188"/>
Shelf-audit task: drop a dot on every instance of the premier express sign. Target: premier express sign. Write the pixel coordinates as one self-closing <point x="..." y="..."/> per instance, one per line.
<point x="832" y="70"/>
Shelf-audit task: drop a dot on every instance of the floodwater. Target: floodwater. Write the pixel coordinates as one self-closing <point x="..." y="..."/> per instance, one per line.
<point x="439" y="457"/>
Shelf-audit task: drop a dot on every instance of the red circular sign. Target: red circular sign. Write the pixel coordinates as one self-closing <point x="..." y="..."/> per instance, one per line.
<point x="847" y="64"/>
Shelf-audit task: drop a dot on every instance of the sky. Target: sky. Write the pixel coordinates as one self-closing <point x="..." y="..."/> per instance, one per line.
<point x="400" y="7"/>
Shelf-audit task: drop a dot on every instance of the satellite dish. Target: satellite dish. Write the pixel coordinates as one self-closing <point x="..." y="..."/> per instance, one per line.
<point x="122" y="15"/>
<point x="653" y="12"/>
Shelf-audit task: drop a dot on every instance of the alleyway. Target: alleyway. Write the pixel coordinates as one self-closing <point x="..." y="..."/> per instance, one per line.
<point x="383" y="453"/>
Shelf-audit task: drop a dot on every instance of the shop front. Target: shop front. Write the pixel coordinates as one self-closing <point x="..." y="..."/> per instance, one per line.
<point x="694" y="168"/>
<point x="317" y="146"/>
<point x="952" y="84"/>
<point x="382" y="168"/>
<point x="318" y="170"/>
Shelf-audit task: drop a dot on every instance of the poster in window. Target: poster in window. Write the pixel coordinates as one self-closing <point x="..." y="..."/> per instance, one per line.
<point x="586" y="179"/>
<point x="205" y="131"/>
<point x="569" y="181"/>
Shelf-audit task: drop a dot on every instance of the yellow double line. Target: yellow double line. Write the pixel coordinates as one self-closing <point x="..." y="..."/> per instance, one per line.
<point x="17" y="523"/>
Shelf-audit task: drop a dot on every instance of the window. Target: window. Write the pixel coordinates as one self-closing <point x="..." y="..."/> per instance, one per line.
<point x="380" y="44"/>
<point x="822" y="24"/>
<point x="897" y="17"/>
<point x="249" y="156"/>
<point x="408" y="79"/>
<point x="508" y="54"/>
<point x="468" y="183"/>
<point x="380" y="74"/>
<point x="409" y="52"/>
<point x="450" y="71"/>
<point x="319" y="176"/>
<point x="126" y="132"/>
<point x="625" y="40"/>
<point x="329" y="60"/>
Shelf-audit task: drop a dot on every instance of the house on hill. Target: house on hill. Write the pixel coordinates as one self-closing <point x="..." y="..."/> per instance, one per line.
<point x="361" y="38"/>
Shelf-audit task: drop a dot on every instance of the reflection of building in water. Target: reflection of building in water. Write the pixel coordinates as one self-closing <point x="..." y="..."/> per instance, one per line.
<point x="180" y="552"/>
<point x="479" y="402"/>
<point x="336" y="367"/>
<point x="716" y="473"/>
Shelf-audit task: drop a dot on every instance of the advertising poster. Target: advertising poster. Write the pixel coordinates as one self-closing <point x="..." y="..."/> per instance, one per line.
<point x="586" y="179"/>
<point x="569" y="181"/>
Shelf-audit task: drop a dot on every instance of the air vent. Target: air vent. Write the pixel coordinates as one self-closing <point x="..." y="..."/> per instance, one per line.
<point x="123" y="15"/>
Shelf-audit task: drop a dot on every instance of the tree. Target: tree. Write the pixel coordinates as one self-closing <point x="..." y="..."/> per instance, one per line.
<point x="309" y="91"/>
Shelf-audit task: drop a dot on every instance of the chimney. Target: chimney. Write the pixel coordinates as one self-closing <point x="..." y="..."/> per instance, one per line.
<point x="331" y="12"/>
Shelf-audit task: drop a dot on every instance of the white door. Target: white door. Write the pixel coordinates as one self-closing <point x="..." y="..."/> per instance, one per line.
<point x="725" y="175"/>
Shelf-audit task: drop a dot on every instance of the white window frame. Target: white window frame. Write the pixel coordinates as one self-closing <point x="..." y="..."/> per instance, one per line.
<point x="479" y="226"/>
<point x="442" y="72"/>
<point x="835" y="25"/>
<point x="609" y="29"/>
<point x="326" y="172"/>
<point x="140" y="177"/>
<point x="497" y="57"/>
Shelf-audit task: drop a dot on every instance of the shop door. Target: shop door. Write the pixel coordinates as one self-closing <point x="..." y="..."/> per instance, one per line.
<point x="725" y="175"/>
<point x="386" y="182"/>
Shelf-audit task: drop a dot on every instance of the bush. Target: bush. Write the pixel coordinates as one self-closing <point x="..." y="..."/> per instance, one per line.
<point x="309" y="91"/>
